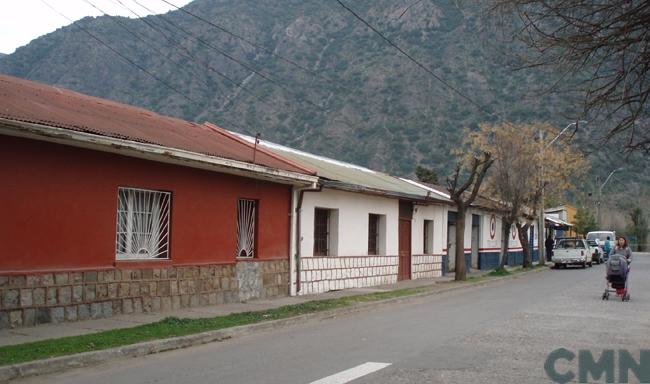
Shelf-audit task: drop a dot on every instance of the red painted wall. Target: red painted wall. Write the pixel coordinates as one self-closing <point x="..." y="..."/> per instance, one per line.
<point x="59" y="208"/>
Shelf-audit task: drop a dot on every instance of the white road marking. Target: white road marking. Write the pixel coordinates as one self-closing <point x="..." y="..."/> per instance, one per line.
<point x="352" y="373"/>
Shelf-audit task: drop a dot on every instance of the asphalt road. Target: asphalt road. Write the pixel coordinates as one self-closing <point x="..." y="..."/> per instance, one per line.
<point x="502" y="332"/>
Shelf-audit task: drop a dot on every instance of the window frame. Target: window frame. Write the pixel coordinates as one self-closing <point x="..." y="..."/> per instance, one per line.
<point x="126" y="226"/>
<point x="374" y="220"/>
<point x="427" y="237"/>
<point x="255" y="218"/>
<point x="319" y="239"/>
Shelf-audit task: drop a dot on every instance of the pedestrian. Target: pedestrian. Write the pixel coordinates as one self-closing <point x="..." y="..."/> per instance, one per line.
<point x="549" y="246"/>
<point x="623" y="249"/>
<point x="607" y="247"/>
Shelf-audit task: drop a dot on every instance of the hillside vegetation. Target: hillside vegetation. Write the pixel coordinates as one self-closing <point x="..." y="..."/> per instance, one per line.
<point x="346" y="93"/>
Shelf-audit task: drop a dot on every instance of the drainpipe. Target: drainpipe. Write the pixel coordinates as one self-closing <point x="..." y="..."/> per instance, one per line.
<point x="313" y="188"/>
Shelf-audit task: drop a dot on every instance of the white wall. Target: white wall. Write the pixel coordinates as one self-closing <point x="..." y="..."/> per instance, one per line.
<point x="352" y="229"/>
<point x="438" y="214"/>
<point x="490" y="232"/>
<point x="468" y="229"/>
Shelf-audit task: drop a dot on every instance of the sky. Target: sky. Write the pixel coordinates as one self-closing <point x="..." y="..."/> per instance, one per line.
<point x="21" y="21"/>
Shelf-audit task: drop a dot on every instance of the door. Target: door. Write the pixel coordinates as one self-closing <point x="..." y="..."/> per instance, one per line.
<point x="531" y="243"/>
<point x="475" y="233"/>
<point x="404" y="241"/>
<point x="404" y="268"/>
<point x="451" y="247"/>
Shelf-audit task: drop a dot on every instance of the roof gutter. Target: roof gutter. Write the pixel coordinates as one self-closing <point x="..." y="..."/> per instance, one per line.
<point x="380" y="192"/>
<point x="151" y="152"/>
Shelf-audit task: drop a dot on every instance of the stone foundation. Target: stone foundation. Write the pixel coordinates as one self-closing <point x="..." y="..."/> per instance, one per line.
<point x="426" y="266"/>
<point x="322" y="274"/>
<point x="32" y="299"/>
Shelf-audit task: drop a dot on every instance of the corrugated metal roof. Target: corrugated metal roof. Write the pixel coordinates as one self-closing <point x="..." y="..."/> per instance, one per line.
<point x="352" y="175"/>
<point x="30" y="102"/>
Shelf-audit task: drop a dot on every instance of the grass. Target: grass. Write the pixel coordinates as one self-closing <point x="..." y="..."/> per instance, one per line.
<point x="173" y="327"/>
<point x="501" y="271"/>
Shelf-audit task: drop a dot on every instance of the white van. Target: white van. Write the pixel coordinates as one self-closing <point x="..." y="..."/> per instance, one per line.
<point x="601" y="236"/>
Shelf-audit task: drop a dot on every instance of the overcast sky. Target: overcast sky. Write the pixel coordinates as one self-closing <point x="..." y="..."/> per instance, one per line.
<point x="21" y="21"/>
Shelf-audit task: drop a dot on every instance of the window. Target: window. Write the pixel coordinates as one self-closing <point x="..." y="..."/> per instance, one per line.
<point x="373" y="234"/>
<point x="246" y="221"/>
<point x="142" y="224"/>
<point x="321" y="232"/>
<point x="428" y="237"/>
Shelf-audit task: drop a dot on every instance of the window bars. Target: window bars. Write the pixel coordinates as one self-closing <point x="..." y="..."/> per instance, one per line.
<point x="246" y="211"/>
<point x="321" y="232"/>
<point x="373" y="234"/>
<point x="428" y="237"/>
<point x="142" y="224"/>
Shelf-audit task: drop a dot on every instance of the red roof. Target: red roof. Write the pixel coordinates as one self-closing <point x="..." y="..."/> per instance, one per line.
<point x="27" y="101"/>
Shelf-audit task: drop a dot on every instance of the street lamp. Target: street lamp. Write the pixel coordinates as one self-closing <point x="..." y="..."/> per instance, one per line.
<point x="541" y="236"/>
<point x="600" y="192"/>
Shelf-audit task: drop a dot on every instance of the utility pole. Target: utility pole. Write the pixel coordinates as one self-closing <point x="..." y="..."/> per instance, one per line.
<point x="542" y="230"/>
<point x="600" y="193"/>
<point x="541" y="235"/>
<point x="598" y="197"/>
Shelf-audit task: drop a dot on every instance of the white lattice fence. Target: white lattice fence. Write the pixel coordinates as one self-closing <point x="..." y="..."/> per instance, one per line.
<point x="322" y="274"/>
<point x="426" y="266"/>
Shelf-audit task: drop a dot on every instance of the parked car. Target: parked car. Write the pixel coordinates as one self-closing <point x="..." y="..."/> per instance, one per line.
<point x="572" y="251"/>
<point x="597" y="255"/>
<point x="600" y="237"/>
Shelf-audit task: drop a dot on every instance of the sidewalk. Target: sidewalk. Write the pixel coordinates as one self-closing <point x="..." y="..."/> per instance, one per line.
<point x="48" y="331"/>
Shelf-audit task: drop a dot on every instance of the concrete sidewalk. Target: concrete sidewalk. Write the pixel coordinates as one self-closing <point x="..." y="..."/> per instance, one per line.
<point x="49" y="331"/>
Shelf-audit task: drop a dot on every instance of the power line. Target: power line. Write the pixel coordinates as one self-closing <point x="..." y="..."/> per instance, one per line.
<point x="333" y="82"/>
<point x="415" y="61"/>
<point x="189" y="56"/>
<point x="262" y="74"/>
<point x="148" y="44"/>
<point x="120" y="55"/>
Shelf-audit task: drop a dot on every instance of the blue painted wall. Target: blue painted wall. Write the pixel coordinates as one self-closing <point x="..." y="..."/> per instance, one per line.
<point x="445" y="263"/>
<point x="488" y="260"/>
<point x="515" y="258"/>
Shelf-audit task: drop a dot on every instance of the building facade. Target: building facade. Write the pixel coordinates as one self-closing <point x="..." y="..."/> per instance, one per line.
<point x="99" y="225"/>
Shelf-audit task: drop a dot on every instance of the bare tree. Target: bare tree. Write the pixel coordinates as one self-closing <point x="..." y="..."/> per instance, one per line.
<point x="602" y="45"/>
<point x="478" y="167"/>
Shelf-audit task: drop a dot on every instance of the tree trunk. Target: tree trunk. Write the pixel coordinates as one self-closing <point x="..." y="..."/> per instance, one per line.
<point x="505" y="239"/>
<point x="525" y="245"/>
<point x="461" y="273"/>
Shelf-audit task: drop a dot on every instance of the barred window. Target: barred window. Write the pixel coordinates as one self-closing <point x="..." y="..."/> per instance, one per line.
<point x="142" y="224"/>
<point x="246" y="220"/>
<point x="321" y="232"/>
<point x="373" y="234"/>
<point x="428" y="237"/>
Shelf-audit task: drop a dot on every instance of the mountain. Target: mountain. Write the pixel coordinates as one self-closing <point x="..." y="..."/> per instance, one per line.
<point x="314" y="77"/>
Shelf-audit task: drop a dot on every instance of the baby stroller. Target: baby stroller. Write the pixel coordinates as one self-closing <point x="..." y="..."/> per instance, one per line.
<point x="617" y="273"/>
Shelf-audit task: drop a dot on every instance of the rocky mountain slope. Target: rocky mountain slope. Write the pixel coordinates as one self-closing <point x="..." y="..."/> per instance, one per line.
<point x="309" y="75"/>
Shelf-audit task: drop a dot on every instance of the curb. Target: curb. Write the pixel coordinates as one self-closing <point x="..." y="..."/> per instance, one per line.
<point x="79" y="360"/>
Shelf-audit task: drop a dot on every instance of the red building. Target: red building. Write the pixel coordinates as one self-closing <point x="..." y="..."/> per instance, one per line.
<point x="110" y="209"/>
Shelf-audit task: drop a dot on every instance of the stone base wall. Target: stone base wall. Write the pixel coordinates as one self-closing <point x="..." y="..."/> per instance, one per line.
<point x="426" y="266"/>
<point x="32" y="299"/>
<point x="322" y="274"/>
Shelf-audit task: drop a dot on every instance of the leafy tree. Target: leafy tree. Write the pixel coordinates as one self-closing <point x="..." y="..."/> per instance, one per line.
<point x="517" y="179"/>
<point x="426" y="175"/>
<point x="639" y="228"/>
<point x="603" y="46"/>
<point x="584" y="221"/>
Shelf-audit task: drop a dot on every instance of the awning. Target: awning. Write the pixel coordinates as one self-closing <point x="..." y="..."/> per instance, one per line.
<point x="554" y="222"/>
